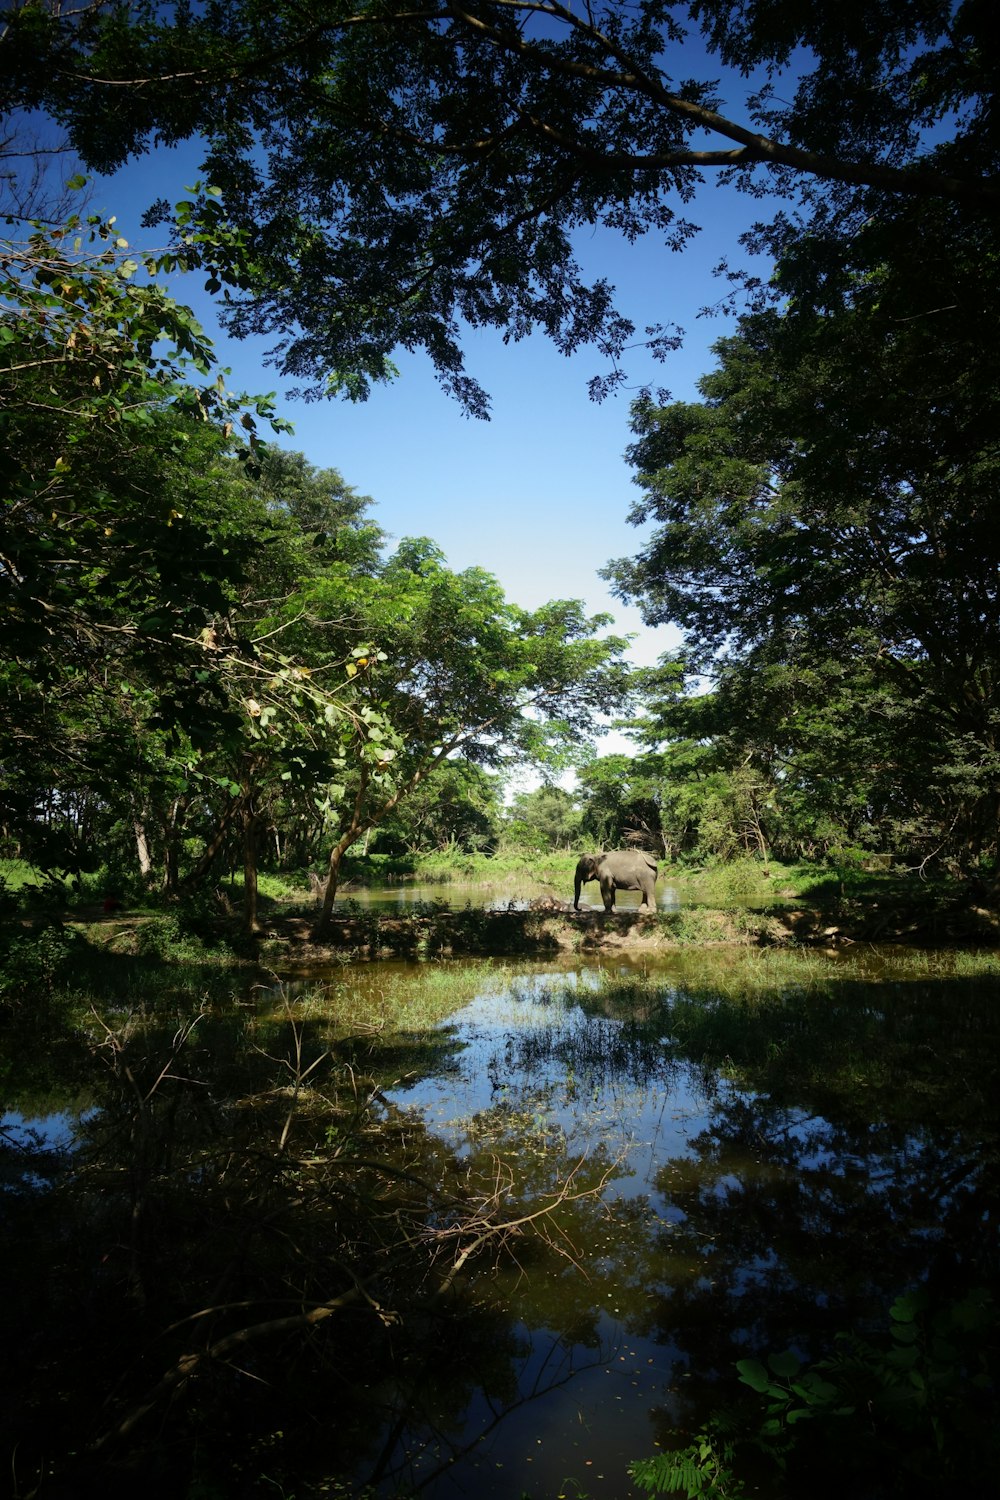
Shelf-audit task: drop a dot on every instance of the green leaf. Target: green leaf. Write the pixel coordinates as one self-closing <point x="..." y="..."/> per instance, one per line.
<point x="753" y="1374"/>
<point x="906" y="1308"/>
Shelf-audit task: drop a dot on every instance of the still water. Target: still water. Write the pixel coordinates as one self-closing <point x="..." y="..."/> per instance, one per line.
<point x="655" y="1170"/>
<point x="759" y="1166"/>
<point x="401" y="897"/>
<point x="562" y="1088"/>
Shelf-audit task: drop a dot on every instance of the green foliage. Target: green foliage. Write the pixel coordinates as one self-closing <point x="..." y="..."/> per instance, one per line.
<point x="33" y="964"/>
<point x="128" y="537"/>
<point x="824" y="531"/>
<point x="456" y="670"/>
<point x="156" y="937"/>
<point x="203" y="636"/>
<point x="622" y="798"/>
<point x="422" y="171"/>
<point x="546" y="818"/>
<point x="704" y="1467"/>
<point x="903" y="1413"/>
<point x="455" y="811"/>
<point x="826" y="512"/>
<point x="922" y="1393"/>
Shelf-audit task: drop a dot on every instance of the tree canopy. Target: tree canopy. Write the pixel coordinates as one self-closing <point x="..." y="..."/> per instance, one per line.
<point x="205" y="637"/>
<point x="825" y="532"/>
<point x="388" y="174"/>
<point x="376" y="178"/>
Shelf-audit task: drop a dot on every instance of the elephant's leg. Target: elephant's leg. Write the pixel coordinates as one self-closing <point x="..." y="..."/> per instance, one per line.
<point x="608" y="892"/>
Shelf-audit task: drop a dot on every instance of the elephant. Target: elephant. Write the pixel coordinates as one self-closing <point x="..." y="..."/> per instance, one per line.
<point x="618" y="870"/>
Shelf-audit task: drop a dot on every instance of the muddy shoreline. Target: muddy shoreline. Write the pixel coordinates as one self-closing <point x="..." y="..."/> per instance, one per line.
<point x="445" y="933"/>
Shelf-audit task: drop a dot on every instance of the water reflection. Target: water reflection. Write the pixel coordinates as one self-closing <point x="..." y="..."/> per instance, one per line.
<point x="732" y="1158"/>
<point x="758" y="1194"/>
<point x="455" y="896"/>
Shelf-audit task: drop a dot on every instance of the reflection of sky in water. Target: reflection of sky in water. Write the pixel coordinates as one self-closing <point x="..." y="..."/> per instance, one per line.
<point x="35" y="1146"/>
<point x="497" y="898"/>
<point x="582" y="1411"/>
<point x="42" y="1132"/>
<point x="515" y="1049"/>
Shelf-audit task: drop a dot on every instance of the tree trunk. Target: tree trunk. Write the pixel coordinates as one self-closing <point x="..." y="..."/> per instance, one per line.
<point x="249" y="870"/>
<point x="172" y="828"/>
<point x="215" y="843"/>
<point x="336" y="856"/>
<point x="142" y="850"/>
<point x="170" y="879"/>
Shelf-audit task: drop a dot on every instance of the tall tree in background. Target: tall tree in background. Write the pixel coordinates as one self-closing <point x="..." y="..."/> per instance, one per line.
<point x="460" y="808"/>
<point x="827" y="533"/>
<point x="453" y="669"/>
<point x="621" y="802"/>
<point x="544" y="818"/>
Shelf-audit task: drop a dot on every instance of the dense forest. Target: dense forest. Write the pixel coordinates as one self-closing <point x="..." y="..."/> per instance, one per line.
<point x="208" y="652"/>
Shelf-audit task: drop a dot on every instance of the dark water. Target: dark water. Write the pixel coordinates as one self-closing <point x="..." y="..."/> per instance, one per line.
<point x="775" y="1167"/>
<point x="559" y="1089"/>
<point x="736" y="1154"/>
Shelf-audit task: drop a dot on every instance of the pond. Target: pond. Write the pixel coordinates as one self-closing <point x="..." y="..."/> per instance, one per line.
<point x="645" y="1173"/>
<point x="457" y="894"/>
<point x="774" y="1163"/>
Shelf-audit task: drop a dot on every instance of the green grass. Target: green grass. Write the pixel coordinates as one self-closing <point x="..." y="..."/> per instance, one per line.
<point x="392" y="998"/>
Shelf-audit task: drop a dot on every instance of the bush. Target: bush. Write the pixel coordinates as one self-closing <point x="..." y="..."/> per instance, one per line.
<point x="159" y="937"/>
<point x="34" y="963"/>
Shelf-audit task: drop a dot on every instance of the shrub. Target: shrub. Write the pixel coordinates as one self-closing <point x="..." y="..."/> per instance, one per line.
<point x="34" y="963"/>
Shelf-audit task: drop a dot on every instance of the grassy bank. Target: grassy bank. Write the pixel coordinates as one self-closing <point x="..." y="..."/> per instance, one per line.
<point x="749" y="881"/>
<point x="744" y="902"/>
<point x="745" y="880"/>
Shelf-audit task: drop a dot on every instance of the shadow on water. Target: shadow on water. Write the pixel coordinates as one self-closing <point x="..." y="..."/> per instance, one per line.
<point x="461" y="1229"/>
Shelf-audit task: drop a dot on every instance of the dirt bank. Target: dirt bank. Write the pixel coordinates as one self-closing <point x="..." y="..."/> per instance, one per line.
<point x="453" y="933"/>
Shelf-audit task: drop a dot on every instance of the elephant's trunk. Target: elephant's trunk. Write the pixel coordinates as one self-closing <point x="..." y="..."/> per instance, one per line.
<point x="577" y="883"/>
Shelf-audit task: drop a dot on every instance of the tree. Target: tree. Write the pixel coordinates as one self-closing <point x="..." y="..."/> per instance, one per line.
<point x="458" y="808"/>
<point x="621" y="797"/>
<point x="389" y="173"/>
<point x="451" y="667"/>
<point x="146" y="551"/>
<point x="120" y="547"/>
<point x="546" y="818"/>
<point x="826" y="534"/>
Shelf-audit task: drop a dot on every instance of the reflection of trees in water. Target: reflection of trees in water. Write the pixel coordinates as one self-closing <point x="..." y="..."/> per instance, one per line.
<point x="434" y="1422"/>
<point x="248" y="1246"/>
<point x="850" y="1153"/>
<point x="245" y="1256"/>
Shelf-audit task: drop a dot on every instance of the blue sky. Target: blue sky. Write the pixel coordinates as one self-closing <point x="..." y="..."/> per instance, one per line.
<point x="540" y="494"/>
